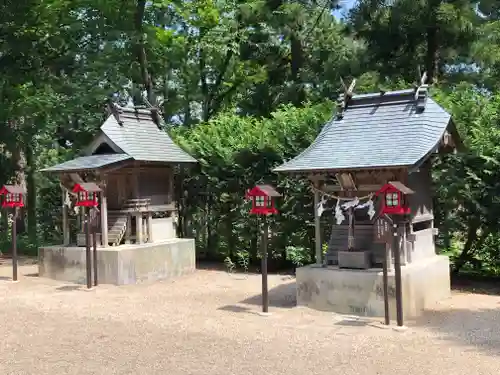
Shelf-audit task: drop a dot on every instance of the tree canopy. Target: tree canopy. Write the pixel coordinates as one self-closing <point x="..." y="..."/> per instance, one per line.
<point x="244" y="85"/>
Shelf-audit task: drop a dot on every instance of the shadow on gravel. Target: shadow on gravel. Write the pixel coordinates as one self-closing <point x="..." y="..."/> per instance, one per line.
<point x="283" y="296"/>
<point x="354" y="323"/>
<point x="252" y="269"/>
<point x="234" y="308"/>
<point x="477" y="328"/>
<point x="68" y="288"/>
<point x="476" y="284"/>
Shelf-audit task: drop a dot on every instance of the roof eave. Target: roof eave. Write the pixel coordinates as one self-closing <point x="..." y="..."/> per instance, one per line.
<point x="194" y="161"/>
<point x="334" y="170"/>
<point x="77" y="170"/>
<point x="459" y="146"/>
<point x="47" y="170"/>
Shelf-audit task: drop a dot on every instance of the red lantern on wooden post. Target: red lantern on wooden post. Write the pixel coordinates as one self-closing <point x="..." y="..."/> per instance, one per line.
<point x="395" y="204"/>
<point x="395" y="198"/>
<point x="13" y="197"/>
<point x="262" y="197"/>
<point x="263" y="200"/>
<point x="87" y="194"/>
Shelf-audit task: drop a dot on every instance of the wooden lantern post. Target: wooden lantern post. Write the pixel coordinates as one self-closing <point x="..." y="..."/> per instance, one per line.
<point x="13" y="197"/>
<point x="87" y="198"/>
<point x="263" y="204"/>
<point x="395" y="207"/>
<point x="93" y="220"/>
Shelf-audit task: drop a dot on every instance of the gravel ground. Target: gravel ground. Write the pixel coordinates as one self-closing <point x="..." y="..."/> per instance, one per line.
<point x="208" y="323"/>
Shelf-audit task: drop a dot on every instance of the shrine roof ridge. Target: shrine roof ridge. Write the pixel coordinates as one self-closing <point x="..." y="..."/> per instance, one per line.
<point x="386" y="94"/>
<point x="394" y="129"/>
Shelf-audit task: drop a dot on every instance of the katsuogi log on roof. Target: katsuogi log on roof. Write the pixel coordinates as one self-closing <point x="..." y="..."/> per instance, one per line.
<point x="379" y="130"/>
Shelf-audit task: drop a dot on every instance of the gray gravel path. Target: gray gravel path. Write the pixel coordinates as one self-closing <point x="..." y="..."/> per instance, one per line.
<point x="207" y="323"/>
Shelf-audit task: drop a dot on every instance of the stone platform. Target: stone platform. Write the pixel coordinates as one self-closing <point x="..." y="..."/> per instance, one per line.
<point x="120" y="265"/>
<point x="360" y="292"/>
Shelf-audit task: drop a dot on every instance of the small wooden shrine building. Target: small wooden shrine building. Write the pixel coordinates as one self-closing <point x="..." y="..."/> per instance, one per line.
<point x="133" y="162"/>
<point x="372" y="140"/>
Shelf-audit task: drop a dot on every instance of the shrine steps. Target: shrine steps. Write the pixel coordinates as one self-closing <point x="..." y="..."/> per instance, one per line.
<point x="117" y="225"/>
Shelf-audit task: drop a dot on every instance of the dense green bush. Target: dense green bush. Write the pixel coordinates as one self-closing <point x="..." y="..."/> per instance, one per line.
<point x="236" y="153"/>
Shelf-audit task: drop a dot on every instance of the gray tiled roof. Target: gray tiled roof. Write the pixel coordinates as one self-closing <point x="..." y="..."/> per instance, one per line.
<point x="375" y="131"/>
<point x="139" y="137"/>
<point x="87" y="163"/>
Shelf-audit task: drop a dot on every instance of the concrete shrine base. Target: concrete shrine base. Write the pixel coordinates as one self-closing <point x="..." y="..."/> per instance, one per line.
<point x="119" y="265"/>
<point x="360" y="292"/>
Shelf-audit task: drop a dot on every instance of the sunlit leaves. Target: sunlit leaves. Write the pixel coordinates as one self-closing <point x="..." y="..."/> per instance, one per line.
<point x="468" y="184"/>
<point x="237" y="152"/>
<point x="398" y="36"/>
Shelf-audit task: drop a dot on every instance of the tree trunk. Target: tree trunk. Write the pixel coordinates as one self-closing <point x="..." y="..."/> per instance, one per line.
<point x="31" y="192"/>
<point x="465" y="255"/>
<point x="141" y="50"/>
<point x="231" y="239"/>
<point x="212" y="233"/>
<point x="205" y="111"/>
<point x="4" y="232"/>
<point x="180" y="202"/>
<point x="296" y="65"/>
<point x="432" y="57"/>
<point x="432" y="42"/>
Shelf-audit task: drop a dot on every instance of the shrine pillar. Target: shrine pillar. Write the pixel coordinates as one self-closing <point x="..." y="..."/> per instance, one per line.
<point x="65" y="218"/>
<point x="104" y="217"/>
<point x="128" y="229"/>
<point x="317" y="227"/>
<point x="138" y="228"/>
<point x="150" y="226"/>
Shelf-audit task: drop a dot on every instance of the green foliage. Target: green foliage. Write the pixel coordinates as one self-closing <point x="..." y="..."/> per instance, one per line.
<point x="229" y="265"/>
<point x="243" y="258"/>
<point x="406" y="34"/>
<point x="236" y="153"/>
<point x="244" y="86"/>
<point x="468" y="189"/>
<point x="299" y="256"/>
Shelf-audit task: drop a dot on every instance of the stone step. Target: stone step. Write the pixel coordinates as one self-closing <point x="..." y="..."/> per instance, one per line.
<point x="116" y="227"/>
<point x="115" y="216"/>
<point x="117" y="221"/>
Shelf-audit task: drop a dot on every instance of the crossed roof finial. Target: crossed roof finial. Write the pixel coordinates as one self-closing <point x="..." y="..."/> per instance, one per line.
<point x="344" y="96"/>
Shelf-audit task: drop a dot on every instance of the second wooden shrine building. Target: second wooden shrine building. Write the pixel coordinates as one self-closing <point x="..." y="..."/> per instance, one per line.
<point x="374" y="139"/>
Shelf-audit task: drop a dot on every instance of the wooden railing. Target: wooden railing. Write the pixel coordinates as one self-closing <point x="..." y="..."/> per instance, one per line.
<point x="136" y="205"/>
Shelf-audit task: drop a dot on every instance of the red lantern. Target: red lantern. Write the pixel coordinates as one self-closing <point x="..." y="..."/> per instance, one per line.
<point x="87" y="194"/>
<point x="13" y="196"/>
<point x="263" y="200"/>
<point x="395" y="198"/>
